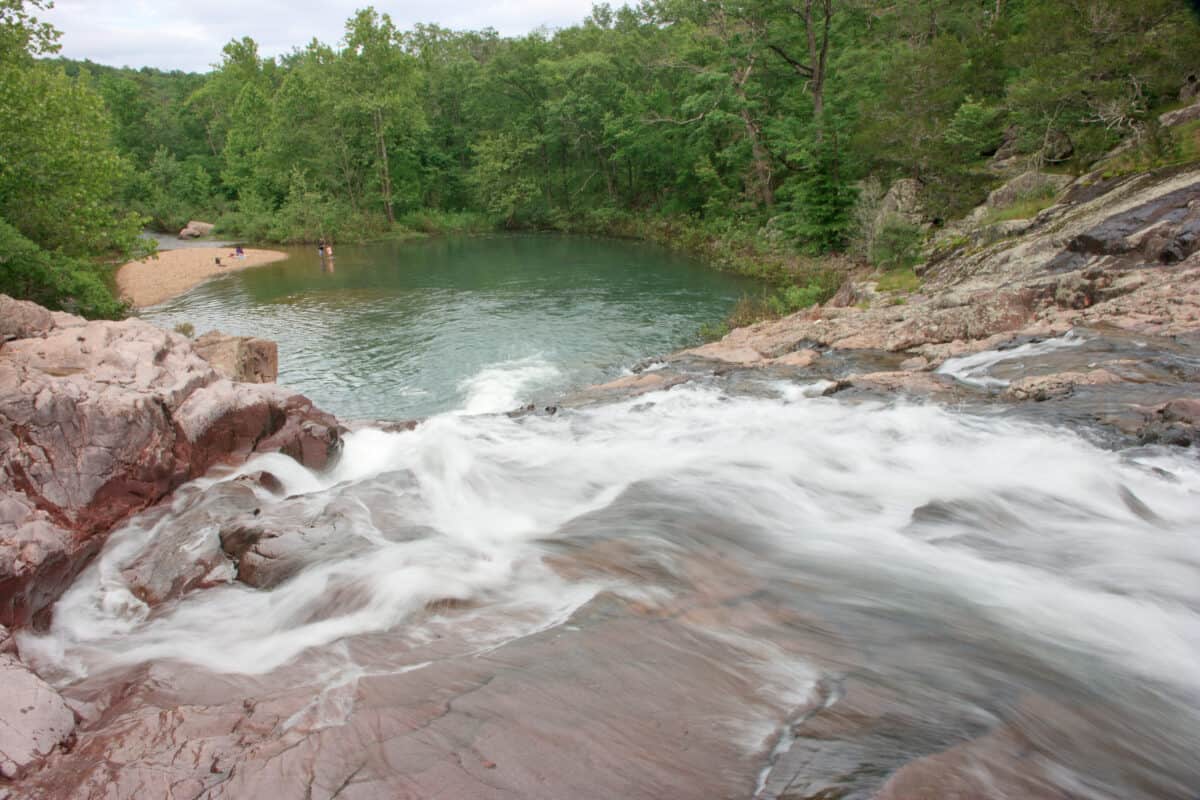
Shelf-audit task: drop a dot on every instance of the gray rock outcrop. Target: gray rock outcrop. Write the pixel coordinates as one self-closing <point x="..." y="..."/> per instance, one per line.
<point x="1027" y="184"/>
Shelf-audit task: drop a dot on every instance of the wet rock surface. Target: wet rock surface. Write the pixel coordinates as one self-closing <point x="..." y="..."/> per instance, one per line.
<point x="1119" y="258"/>
<point x="100" y="420"/>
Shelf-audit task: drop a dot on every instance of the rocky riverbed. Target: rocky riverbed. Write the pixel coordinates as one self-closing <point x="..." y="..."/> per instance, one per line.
<point x="744" y="570"/>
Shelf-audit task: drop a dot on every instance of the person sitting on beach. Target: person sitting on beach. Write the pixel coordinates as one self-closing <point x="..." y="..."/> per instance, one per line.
<point x="218" y="261"/>
<point x="240" y="252"/>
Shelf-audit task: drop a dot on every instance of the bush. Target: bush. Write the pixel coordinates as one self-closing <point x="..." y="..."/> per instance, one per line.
<point x="897" y="245"/>
<point x="435" y="222"/>
<point x="51" y="279"/>
<point x="818" y="288"/>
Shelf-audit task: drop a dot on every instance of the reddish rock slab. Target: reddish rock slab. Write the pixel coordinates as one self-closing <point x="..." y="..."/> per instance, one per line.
<point x="1001" y="764"/>
<point x="240" y="358"/>
<point x="34" y="719"/>
<point x="99" y="420"/>
<point x="1059" y="384"/>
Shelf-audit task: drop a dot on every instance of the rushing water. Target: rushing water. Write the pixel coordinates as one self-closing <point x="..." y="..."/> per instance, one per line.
<point x="734" y="588"/>
<point x="401" y="330"/>
<point x="978" y="572"/>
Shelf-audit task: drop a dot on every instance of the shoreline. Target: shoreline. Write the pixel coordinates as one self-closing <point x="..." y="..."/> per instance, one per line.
<point x="170" y="273"/>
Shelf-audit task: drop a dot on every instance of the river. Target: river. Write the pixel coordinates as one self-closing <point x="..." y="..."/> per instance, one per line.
<point x="407" y="329"/>
<point x="734" y="588"/>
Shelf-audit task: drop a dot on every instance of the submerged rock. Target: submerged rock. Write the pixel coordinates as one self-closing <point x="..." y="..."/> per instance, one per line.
<point x="1046" y="387"/>
<point x="1174" y="422"/>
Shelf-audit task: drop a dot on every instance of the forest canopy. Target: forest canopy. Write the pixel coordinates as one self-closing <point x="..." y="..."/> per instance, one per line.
<point x="754" y="120"/>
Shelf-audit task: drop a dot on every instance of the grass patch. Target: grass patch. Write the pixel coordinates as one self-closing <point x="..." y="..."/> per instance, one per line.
<point x="1175" y="146"/>
<point x="1024" y="208"/>
<point x="1188" y="138"/>
<point x="899" y="280"/>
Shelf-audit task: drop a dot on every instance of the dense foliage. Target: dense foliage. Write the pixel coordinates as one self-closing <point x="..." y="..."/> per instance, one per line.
<point x="59" y="173"/>
<point x="755" y="130"/>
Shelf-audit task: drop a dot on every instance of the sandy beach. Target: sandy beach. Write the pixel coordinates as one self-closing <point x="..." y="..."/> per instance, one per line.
<point x="172" y="272"/>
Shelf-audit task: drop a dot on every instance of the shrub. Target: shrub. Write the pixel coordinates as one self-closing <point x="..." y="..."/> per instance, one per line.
<point x="52" y="279"/>
<point x="897" y="245"/>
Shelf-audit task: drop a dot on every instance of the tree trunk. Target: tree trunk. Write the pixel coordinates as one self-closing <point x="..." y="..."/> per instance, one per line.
<point x="760" y="156"/>
<point x="818" y="55"/>
<point x="385" y="171"/>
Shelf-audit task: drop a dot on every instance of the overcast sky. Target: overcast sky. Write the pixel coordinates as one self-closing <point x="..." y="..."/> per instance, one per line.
<point x="185" y="34"/>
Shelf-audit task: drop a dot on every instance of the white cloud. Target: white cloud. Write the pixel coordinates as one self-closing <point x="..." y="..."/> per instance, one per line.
<point x="173" y="34"/>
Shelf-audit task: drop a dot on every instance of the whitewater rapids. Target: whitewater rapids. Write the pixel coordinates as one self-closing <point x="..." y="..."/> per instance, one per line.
<point x="969" y="563"/>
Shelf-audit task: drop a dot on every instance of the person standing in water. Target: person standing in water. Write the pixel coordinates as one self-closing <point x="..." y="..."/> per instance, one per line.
<point x="321" y="247"/>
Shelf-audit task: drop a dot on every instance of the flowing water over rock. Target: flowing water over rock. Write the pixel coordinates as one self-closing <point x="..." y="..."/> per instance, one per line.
<point x="735" y="588"/>
<point x="701" y="580"/>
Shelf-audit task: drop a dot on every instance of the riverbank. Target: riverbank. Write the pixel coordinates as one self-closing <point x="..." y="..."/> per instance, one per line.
<point x="169" y="274"/>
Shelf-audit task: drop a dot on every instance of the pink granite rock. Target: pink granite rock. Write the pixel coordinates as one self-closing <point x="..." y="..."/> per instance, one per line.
<point x="99" y="420"/>
<point x="34" y="719"/>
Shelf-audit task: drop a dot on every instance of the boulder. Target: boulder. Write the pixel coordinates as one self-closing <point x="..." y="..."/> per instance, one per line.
<point x="103" y="419"/>
<point x="1174" y="422"/>
<point x="268" y="554"/>
<point x="1059" y="384"/>
<point x="1190" y="89"/>
<point x="240" y="358"/>
<point x="1009" y="146"/>
<point x="195" y="229"/>
<point x="1057" y="147"/>
<point x="726" y="351"/>
<point x="902" y="202"/>
<point x="1175" y="214"/>
<point x="1180" y="115"/>
<point x="799" y="359"/>
<point x="34" y="719"/>
<point x="1027" y="184"/>
<point x="20" y="319"/>
<point x="225" y="422"/>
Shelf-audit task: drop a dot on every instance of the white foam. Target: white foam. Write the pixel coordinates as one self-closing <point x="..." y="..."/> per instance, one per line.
<point x="973" y="369"/>
<point x="828" y="484"/>
<point x="502" y="387"/>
